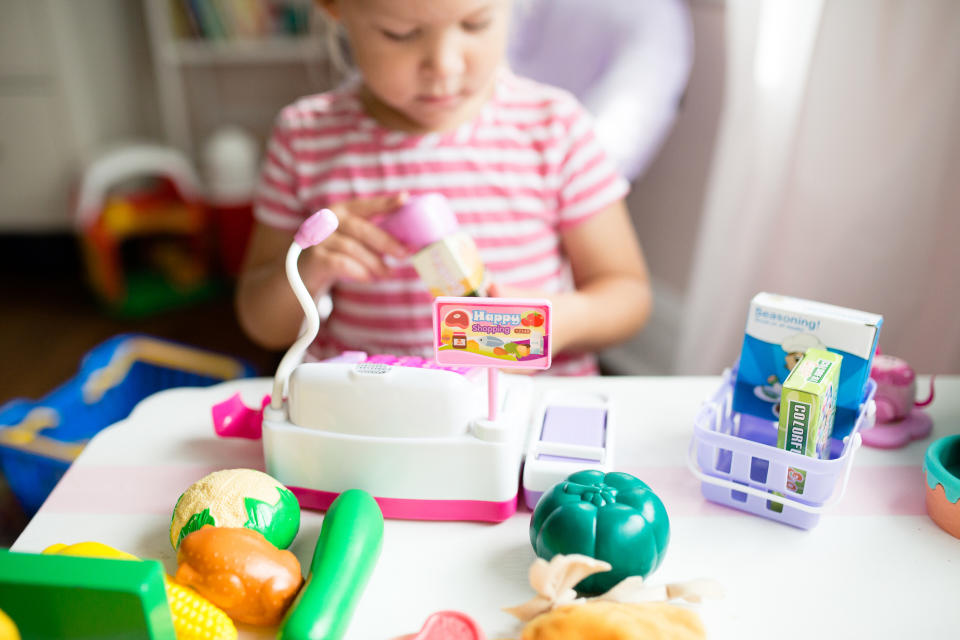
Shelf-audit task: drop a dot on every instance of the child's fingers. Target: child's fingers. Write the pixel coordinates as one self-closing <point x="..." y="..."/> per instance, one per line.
<point x="359" y="252"/>
<point x="339" y="265"/>
<point x="373" y="237"/>
<point x="496" y="290"/>
<point x="369" y="207"/>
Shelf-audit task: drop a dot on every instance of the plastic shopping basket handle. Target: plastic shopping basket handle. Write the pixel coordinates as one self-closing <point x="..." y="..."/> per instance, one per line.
<point x="790" y="502"/>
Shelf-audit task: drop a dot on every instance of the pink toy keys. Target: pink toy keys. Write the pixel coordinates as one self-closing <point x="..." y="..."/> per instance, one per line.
<point x="899" y="417"/>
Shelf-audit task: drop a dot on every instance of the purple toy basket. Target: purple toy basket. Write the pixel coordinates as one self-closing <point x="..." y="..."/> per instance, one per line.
<point x="736" y="459"/>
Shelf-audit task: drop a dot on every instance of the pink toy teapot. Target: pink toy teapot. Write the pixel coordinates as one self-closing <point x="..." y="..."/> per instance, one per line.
<point x="899" y="417"/>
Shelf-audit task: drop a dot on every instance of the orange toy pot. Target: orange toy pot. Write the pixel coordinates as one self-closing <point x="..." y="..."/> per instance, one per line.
<point x="941" y="466"/>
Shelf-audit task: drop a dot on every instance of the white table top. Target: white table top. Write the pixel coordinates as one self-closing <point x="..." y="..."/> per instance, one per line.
<point x="875" y="566"/>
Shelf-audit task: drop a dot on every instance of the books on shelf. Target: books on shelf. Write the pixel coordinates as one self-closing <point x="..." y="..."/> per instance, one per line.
<point x="240" y="19"/>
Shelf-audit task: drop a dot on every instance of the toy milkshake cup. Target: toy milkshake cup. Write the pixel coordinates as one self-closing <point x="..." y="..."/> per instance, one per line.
<point x="446" y="258"/>
<point x="941" y="466"/>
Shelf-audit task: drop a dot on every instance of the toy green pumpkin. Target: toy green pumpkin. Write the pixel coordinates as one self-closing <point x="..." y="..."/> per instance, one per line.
<point x="612" y="517"/>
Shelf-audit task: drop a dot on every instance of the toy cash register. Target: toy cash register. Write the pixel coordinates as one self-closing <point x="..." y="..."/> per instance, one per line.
<point x="425" y="437"/>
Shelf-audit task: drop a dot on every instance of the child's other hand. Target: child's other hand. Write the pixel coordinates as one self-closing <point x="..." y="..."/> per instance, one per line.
<point x="495" y="290"/>
<point x="356" y="249"/>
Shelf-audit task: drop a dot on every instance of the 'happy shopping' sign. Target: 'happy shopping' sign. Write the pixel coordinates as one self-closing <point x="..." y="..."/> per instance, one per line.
<point x="492" y="332"/>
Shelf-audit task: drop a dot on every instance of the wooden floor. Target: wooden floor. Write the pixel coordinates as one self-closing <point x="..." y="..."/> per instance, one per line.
<point x="49" y="320"/>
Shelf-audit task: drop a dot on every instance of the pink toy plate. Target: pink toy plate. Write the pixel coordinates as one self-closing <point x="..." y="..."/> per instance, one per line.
<point x="447" y="625"/>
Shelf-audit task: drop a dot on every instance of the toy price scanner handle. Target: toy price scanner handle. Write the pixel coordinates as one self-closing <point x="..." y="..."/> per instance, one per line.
<point x="313" y="231"/>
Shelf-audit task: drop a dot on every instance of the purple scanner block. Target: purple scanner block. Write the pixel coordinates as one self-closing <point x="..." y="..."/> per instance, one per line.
<point x="584" y="426"/>
<point x="571" y="438"/>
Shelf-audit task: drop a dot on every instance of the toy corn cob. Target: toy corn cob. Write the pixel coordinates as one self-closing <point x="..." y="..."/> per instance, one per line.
<point x="194" y="617"/>
<point x="8" y="630"/>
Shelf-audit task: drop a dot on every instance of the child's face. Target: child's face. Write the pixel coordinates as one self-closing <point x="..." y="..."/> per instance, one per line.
<point x="427" y="65"/>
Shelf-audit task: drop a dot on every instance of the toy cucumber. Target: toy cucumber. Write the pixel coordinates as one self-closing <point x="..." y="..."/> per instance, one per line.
<point x="347" y="550"/>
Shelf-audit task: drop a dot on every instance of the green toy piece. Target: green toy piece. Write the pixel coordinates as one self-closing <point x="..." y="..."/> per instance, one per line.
<point x="59" y="596"/>
<point x="346" y="553"/>
<point x="612" y="517"/>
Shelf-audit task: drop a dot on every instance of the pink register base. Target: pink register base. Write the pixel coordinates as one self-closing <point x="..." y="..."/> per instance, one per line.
<point x="409" y="509"/>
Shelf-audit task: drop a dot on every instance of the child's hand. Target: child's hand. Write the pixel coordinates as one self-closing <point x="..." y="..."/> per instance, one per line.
<point x="495" y="290"/>
<point x="355" y="251"/>
<point x="564" y="305"/>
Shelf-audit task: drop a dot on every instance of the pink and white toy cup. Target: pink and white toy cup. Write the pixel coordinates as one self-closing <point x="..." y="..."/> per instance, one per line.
<point x="896" y="388"/>
<point x="446" y="258"/>
<point x="421" y="221"/>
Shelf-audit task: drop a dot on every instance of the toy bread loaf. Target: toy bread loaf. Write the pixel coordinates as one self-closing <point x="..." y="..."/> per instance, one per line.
<point x="238" y="570"/>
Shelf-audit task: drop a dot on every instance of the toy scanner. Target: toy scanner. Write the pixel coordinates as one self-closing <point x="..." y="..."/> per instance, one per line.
<point x="426" y="437"/>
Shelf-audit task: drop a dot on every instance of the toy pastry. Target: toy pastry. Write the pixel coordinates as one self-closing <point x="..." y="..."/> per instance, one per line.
<point x="630" y="611"/>
<point x="616" y="621"/>
<point x="240" y="572"/>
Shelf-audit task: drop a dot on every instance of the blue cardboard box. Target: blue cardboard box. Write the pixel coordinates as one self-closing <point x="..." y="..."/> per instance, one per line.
<point x="779" y="331"/>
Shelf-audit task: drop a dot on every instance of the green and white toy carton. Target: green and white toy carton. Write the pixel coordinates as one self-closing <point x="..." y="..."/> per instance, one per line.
<point x="808" y="403"/>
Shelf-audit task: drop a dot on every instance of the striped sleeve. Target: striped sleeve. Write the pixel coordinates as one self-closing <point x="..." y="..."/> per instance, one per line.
<point x="276" y="203"/>
<point x="589" y="182"/>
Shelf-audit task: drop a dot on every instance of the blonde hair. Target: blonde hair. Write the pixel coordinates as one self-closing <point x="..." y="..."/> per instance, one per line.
<point x="337" y="47"/>
<point x="334" y="40"/>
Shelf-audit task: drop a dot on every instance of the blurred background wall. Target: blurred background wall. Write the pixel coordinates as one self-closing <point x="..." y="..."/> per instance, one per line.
<point x="814" y="152"/>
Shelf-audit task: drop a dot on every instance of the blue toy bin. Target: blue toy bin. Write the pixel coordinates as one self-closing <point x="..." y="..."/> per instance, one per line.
<point x="736" y="459"/>
<point x="40" y="439"/>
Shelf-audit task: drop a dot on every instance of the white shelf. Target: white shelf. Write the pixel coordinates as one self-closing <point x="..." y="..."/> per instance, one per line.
<point x="203" y="84"/>
<point x="250" y="51"/>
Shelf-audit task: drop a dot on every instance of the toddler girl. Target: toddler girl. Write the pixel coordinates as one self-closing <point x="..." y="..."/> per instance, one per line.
<point x="433" y="109"/>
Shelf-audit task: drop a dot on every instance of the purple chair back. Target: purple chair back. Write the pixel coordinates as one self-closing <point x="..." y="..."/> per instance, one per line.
<point x="627" y="61"/>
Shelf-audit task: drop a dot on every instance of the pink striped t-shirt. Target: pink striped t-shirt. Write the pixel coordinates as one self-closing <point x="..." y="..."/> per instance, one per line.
<point x="526" y="168"/>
